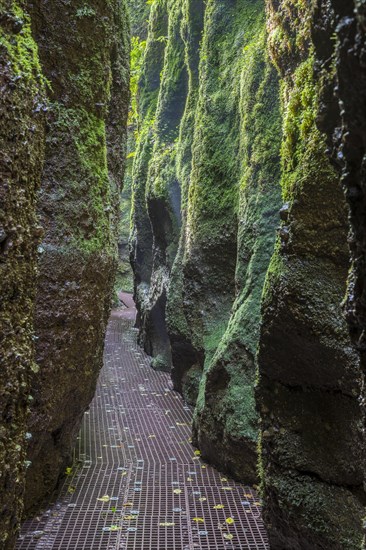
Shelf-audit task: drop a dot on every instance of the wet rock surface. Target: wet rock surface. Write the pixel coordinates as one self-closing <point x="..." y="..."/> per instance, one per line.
<point x="212" y="206"/>
<point x="223" y="296"/>
<point x="310" y="376"/>
<point x="83" y="52"/>
<point x="21" y="157"/>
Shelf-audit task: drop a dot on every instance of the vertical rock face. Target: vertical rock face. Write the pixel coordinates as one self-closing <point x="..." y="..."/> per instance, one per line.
<point x="349" y="142"/>
<point x="310" y="377"/>
<point x="149" y="291"/>
<point x="217" y="295"/>
<point x="21" y="157"/>
<point x="184" y="356"/>
<point x="83" y="50"/>
<point x="225" y="426"/>
<point x="207" y="176"/>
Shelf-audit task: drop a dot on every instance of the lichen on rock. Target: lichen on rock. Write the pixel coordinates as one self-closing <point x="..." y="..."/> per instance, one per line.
<point x="84" y="55"/>
<point x="22" y="109"/>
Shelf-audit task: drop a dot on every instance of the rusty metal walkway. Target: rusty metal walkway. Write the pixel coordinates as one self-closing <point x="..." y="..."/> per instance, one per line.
<point x="140" y="484"/>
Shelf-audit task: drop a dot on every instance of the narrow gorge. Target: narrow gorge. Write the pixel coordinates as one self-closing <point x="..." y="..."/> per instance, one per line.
<point x="219" y="148"/>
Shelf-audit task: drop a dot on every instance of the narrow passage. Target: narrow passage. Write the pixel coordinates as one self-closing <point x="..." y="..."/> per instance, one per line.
<point x="140" y="484"/>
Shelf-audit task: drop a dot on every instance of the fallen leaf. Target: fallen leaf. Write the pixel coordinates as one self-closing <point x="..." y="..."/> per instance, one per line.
<point x="223" y="479"/>
<point x="197" y="452"/>
<point x="229" y="521"/>
<point x="202" y="499"/>
<point x="227" y="488"/>
<point x="228" y="536"/>
<point x="128" y="504"/>
<point x="198" y="520"/>
<point x="129" y="518"/>
<point x="112" y="528"/>
<point x="106" y="498"/>
<point x="218" y="507"/>
<point x="177" y="491"/>
<point x="189" y="479"/>
<point x="166" y="524"/>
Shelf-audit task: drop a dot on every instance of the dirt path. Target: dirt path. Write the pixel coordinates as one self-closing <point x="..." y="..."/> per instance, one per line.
<point x="140" y="484"/>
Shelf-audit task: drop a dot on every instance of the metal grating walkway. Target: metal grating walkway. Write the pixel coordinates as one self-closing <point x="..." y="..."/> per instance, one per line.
<point x="140" y="485"/>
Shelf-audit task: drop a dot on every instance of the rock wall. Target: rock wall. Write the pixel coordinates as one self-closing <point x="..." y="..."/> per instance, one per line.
<point x="310" y="377"/>
<point x="345" y="126"/>
<point x="83" y="51"/>
<point x="21" y="157"/>
<point x="206" y="208"/>
<point x="218" y="296"/>
<point x="349" y="148"/>
<point x="152" y="333"/>
<point x="226" y="424"/>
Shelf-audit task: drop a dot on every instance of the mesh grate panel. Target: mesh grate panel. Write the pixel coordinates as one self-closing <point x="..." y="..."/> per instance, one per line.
<point x="134" y="449"/>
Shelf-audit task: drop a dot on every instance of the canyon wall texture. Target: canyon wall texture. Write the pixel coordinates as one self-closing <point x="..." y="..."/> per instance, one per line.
<point x="22" y="147"/>
<point x="83" y="51"/>
<point x="249" y="319"/>
<point x="206" y="203"/>
<point x="310" y="377"/>
<point x="64" y="101"/>
<point x="226" y="424"/>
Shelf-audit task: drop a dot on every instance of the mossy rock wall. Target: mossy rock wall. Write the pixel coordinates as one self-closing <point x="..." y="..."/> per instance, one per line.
<point x="84" y="55"/>
<point x="185" y="358"/>
<point x="310" y="378"/>
<point x="21" y="156"/>
<point x="226" y="422"/>
<point x="212" y="195"/>
<point x="141" y="238"/>
<point x="154" y="182"/>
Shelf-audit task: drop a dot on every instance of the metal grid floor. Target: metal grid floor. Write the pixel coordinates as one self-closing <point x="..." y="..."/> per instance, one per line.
<point x="140" y="485"/>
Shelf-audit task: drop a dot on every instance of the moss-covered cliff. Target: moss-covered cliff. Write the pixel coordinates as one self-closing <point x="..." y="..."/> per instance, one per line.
<point x="226" y="426"/>
<point x="142" y="234"/>
<point x="243" y="121"/>
<point x="207" y="204"/>
<point x="21" y="156"/>
<point x="62" y="161"/>
<point x="84" y="55"/>
<point x="310" y="378"/>
<point x="210" y="295"/>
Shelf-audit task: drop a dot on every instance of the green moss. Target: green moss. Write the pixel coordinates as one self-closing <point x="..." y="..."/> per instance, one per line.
<point x="22" y="50"/>
<point x="225" y="416"/>
<point x="192" y="25"/>
<point x="329" y="515"/>
<point x="303" y="344"/>
<point x="22" y="109"/>
<point x="85" y="11"/>
<point x="88" y="140"/>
